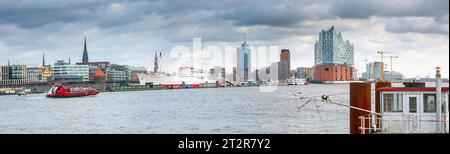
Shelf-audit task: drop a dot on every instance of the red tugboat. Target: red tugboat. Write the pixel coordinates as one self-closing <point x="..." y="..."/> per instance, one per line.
<point x="58" y="90"/>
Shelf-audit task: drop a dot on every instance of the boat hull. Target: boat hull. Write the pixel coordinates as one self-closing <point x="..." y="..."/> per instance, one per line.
<point x="61" y="92"/>
<point x="73" y="94"/>
<point x="172" y="82"/>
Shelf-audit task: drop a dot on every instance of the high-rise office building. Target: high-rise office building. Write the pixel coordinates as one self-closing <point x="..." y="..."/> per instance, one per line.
<point x="285" y="56"/>
<point x="243" y="63"/>
<point x="373" y="71"/>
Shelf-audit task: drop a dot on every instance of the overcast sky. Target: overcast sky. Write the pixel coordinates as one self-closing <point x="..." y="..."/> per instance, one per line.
<point x="128" y="32"/>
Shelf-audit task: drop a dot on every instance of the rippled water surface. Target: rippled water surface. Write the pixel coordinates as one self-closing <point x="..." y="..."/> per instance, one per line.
<point x="216" y="110"/>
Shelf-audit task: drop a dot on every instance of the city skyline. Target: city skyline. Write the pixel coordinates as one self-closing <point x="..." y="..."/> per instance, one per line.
<point x="128" y="32"/>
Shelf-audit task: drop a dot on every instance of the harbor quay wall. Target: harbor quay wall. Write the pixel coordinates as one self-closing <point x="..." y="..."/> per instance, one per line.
<point x="116" y="86"/>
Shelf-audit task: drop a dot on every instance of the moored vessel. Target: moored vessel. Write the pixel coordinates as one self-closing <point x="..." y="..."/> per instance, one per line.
<point x="58" y="90"/>
<point x="187" y="77"/>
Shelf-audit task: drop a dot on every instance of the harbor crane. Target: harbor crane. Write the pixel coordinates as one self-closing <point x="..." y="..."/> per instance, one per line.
<point x="382" y="53"/>
<point x="391" y="57"/>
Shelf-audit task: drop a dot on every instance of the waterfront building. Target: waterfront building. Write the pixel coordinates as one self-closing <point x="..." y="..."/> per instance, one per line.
<point x="117" y="72"/>
<point x="273" y="75"/>
<point x="85" y="53"/>
<point x="333" y="57"/>
<point x="20" y="74"/>
<point x="331" y="49"/>
<point x="394" y="76"/>
<point x="63" y="71"/>
<point x="135" y="71"/>
<point x="334" y="73"/>
<point x="373" y="71"/>
<point x="17" y="72"/>
<point x="283" y="71"/>
<point x="4" y="73"/>
<point x="94" y="67"/>
<point x="243" y="68"/>
<point x="278" y="71"/>
<point x="46" y="73"/>
<point x="100" y="77"/>
<point x="217" y="73"/>
<point x="301" y="72"/>
<point x="234" y="74"/>
<point x="264" y="74"/>
<point x="310" y="74"/>
<point x="34" y="74"/>
<point x="285" y="56"/>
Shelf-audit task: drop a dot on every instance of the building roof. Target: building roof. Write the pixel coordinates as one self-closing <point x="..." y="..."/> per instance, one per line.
<point x="407" y="89"/>
<point x="133" y="68"/>
<point x="100" y="73"/>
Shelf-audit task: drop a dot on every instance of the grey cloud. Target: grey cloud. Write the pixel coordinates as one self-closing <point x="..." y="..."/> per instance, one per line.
<point x="32" y="14"/>
<point x="125" y="28"/>
<point x="417" y="25"/>
<point x="388" y="8"/>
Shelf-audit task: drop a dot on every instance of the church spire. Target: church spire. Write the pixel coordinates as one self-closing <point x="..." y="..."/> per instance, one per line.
<point x="85" y="53"/>
<point x="156" y="67"/>
<point x="43" y="59"/>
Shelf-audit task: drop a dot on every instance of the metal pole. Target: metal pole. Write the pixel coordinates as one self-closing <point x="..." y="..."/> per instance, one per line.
<point x="391" y="68"/>
<point x="438" y="99"/>
<point x="356" y="108"/>
<point x="382" y="66"/>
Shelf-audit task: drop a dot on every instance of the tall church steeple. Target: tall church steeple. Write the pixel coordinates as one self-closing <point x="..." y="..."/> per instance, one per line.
<point x="43" y="59"/>
<point x="85" y="53"/>
<point x="156" y="67"/>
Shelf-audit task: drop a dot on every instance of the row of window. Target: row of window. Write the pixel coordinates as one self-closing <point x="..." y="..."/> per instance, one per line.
<point x="393" y="102"/>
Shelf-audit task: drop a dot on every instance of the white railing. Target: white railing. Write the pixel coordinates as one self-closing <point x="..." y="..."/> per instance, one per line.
<point x="408" y="124"/>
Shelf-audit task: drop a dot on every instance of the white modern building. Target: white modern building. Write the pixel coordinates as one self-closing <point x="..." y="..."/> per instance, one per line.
<point x="62" y="69"/>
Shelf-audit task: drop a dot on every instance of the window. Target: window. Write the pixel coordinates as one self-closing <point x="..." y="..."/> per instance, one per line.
<point x="412" y="104"/>
<point x="429" y="103"/>
<point x="393" y="102"/>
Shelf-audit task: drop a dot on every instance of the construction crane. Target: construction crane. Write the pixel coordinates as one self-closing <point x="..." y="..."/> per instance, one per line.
<point x="382" y="62"/>
<point x="391" y="57"/>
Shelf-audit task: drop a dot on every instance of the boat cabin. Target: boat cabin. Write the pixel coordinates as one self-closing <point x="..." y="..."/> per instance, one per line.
<point x="412" y="110"/>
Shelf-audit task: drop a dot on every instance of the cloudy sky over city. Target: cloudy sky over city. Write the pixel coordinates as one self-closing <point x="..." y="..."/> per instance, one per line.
<point x="128" y="32"/>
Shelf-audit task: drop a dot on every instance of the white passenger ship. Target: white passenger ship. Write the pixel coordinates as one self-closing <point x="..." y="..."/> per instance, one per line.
<point x="187" y="77"/>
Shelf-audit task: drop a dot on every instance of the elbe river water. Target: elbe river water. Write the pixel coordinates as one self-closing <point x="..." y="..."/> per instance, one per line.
<point x="213" y="110"/>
